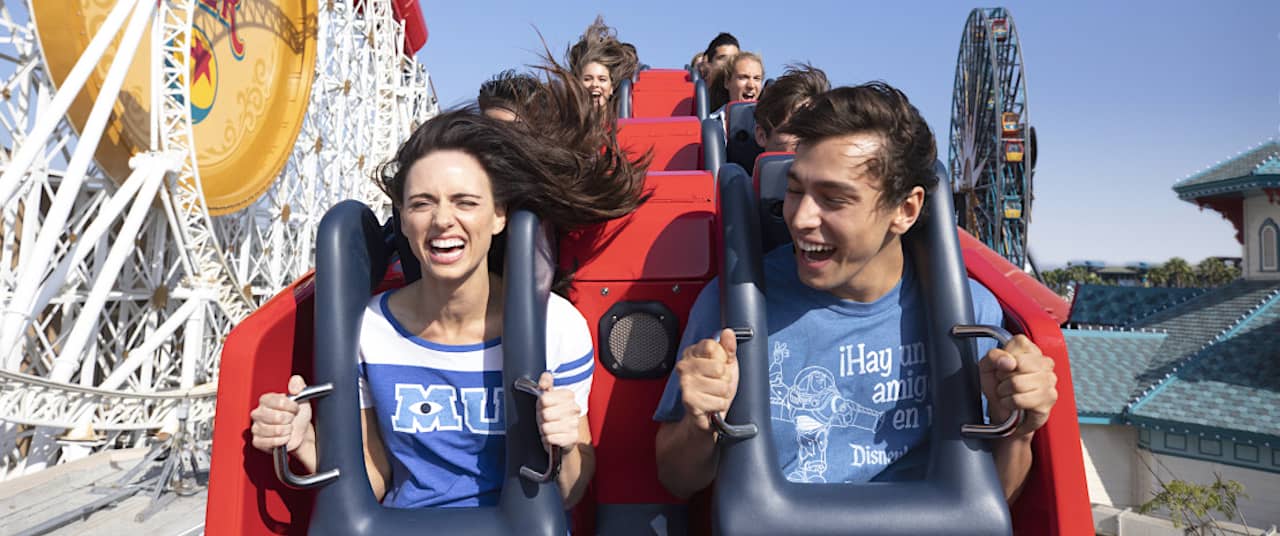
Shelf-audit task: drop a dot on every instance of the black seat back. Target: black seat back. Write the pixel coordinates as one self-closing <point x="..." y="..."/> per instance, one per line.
<point x="351" y="259"/>
<point x="712" y="146"/>
<point x="623" y="95"/>
<point x="741" y="136"/>
<point x="961" y="493"/>
<point x="771" y="187"/>
<point x="701" y="98"/>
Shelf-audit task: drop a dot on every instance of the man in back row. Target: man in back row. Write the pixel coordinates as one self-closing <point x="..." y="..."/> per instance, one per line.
<point x="742" y="78"/>
<point x="848" y="373"/>
<point x="797" y="86"/>
<point x="719" y="50"/>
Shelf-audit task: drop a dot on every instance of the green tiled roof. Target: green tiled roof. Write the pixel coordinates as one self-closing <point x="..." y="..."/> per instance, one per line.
<point x="1217" y="365"/>
<point x="1197" y="322"/>
<point x="1104" y="365"/>
<point x="1259" y="160"/>
<point x="1107" y="305"/>
<point x="1270" y="167"/>
<point x="1234" y="384"/>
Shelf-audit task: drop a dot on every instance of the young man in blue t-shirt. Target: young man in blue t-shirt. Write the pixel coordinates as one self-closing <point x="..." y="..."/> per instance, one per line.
<point x="848" y="375"/>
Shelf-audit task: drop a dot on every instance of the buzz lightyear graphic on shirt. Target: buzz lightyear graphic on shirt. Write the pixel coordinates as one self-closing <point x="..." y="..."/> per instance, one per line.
<point x="814" y="405"/>
<point x="848" y="381"/>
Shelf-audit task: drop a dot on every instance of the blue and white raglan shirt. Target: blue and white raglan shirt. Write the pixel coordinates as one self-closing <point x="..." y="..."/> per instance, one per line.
<point x="848" y="381"/>
<point x="439" y="407"/>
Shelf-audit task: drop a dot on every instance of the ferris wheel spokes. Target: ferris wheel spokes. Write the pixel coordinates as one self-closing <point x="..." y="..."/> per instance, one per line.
<point x="105" y="217"/>
<point x="150" y="171"/>
<point x="73" y="284"/>
<point x="121" y="323"/>
<point x="33" y="271"/>
<point x="989" y="132"/>
<point x="45" y="125"/>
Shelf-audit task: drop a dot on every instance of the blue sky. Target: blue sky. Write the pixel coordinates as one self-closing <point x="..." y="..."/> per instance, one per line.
<point x="1127" y="97"/>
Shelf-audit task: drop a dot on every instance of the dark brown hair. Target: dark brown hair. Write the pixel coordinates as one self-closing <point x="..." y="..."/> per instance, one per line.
<point x="717" y="94"/>
<point x="509" y="90"/>
<point x="798" y="85"/>
<point x="563" y="162"/>
<point x="907" y="148"/>
<point x="724" y="38"/>
<point x="600" y="44"/>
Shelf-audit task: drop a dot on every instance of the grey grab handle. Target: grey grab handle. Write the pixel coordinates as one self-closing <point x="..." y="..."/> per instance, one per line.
<point x="623" y="94"/>
<point x="282" y="456"/>
<point x="553" y="458"/>
<point x="701" y="97"/>
<point x="988" y="431"/>
<point x="736" y="431"/>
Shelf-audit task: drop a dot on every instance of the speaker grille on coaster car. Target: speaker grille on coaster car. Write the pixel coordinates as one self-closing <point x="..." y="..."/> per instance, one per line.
<point x="639" y="340"/>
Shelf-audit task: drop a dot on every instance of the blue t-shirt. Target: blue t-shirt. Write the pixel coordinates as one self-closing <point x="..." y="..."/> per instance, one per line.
<point x="848" y="381"/>
<point x="439" y="406"/>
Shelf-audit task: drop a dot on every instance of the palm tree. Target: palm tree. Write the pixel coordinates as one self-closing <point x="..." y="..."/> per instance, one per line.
<point x="1055" y="279"/>
<point x="1081" y="275"/>
<point x="1174" y="273"/>
<point x="1212" y="272"/>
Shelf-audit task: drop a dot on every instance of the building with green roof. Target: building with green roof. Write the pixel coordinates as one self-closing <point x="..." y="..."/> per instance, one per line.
<point x="1245" y="190"/>
<point x="1185" y="383"/>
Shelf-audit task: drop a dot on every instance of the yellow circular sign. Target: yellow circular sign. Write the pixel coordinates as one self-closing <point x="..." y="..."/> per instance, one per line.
<point x="250" y="64"/>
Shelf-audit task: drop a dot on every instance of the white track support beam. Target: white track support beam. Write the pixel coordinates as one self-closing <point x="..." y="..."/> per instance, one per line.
<point x="51" y="286"/>
<point x="34" y="401"/>
<point x="153" y="173"/>
<point x="147" y="371"/>
<point x="30" y="225"/>
<point x="101" y="262"/>
<point x="21" y="316"/>
<point x="8" y="219"/>
<point x="56" y="217"/>
<point x="154" y="170"/>
<point x="102" y="222"/>
<point x="157" y="77"/>
<point x="143" y="353"/>
<point x="171" y="217"/>
<point x="192" y="345"/>
<point x="70" y="87"/>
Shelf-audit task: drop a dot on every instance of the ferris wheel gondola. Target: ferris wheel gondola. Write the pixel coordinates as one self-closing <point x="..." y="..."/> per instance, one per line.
<point x="991" y="150"/>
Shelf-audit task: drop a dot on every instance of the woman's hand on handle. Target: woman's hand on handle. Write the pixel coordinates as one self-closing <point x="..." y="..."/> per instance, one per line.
<point x="279" y="421"/>
<point x="562" y="426"/>
<point x="558" y="415"/>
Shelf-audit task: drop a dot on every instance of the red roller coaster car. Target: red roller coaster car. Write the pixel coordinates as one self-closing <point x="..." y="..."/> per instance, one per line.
<point x="662" y="254"/>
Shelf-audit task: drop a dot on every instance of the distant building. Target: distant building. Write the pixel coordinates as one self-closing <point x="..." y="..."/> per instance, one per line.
<point x="1126" y="276"/>
<point x="1122" y="276"/>
<point x="1185" y="383"/>
<point x="1246" y="191"/>
<point x="1232" y="262"/>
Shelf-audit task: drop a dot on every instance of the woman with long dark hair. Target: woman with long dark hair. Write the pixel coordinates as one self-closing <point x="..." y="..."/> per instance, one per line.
<point x="600" y="61"/>
<point x="431" y="352"/>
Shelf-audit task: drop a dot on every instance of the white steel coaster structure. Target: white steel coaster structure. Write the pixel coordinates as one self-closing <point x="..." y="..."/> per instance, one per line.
<point x="115" y="297"/>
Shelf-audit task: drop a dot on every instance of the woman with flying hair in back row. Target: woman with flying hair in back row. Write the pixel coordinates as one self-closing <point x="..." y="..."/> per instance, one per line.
<point x="430" y="355"/>
<point x="601" y="62"/>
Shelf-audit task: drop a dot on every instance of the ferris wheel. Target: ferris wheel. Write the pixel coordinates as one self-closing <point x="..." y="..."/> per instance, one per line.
<point x="992" y="145"/>
<point x="164" y="168"/>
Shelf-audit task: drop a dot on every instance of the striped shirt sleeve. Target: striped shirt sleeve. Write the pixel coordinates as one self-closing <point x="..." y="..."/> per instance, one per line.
<point x="366" y="396"/>
<point x="570" y="354"/>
